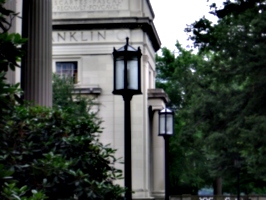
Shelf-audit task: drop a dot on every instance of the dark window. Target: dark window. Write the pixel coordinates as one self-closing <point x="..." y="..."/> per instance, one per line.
<point x="67" y="69"/>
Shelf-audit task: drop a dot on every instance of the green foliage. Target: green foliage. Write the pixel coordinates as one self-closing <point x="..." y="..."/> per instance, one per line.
<point x="221" y="108"/>
<point x="10" y="54"/>
<point x="53" y="154"/>
<point x="66" y="97"/>
<point x="179" y="77"/>
<point x="60" y="154"/>
<point x="238" y="64"/>
<point x="62" y="91"/>
<point x="9" y="95"/>
<point x="10" y="43"/>
<point x="10" y="50"/>
<point x="11" y="192"/>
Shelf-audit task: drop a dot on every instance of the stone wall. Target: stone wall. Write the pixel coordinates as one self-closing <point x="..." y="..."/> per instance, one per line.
<point x="86" y="31"/>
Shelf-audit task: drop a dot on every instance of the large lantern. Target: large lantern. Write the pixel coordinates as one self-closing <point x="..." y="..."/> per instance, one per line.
<point x="127" y="76"/>
<point x="127" y="83"/>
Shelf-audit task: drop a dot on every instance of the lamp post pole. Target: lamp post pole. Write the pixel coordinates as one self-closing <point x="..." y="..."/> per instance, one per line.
<point x="166" y="168"/>
<point x="127" y="149"/>
<point x="237" y="164"/>
<point x="127" y="82"/>
<point x="166" y="129"/>
<point x="238" y="185"/>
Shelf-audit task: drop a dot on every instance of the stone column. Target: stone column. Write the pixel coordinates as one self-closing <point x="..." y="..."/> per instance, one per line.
<point x="158" y="160"/>
<point x="157" y="99"/>
<point x="36" y="70"/>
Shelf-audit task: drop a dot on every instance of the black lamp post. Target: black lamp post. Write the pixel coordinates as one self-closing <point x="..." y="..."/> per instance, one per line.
<point x="237" y="164"/>
<point x="127" y="83"/>
<point x="166" y="129"/>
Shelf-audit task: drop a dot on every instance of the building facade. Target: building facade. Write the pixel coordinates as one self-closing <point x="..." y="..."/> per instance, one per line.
<point x="84" y="33"/>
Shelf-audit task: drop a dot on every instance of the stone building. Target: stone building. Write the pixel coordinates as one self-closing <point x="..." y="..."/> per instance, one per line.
<point x="84" y="33"/>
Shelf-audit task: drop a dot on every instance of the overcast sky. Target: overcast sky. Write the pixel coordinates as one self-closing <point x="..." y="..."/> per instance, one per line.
<point x="171" y="17"/>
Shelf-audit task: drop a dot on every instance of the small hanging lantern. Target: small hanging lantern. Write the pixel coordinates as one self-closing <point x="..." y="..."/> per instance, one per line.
<point x="166" y="122"/>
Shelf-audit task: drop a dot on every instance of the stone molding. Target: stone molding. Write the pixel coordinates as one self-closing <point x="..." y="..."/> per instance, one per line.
<point x="88" y="90"/>
<point x="157" y="98"/>
<point x="144" y="23"/>
<point x="149" y="4"/>
<point x="158" y="93"/>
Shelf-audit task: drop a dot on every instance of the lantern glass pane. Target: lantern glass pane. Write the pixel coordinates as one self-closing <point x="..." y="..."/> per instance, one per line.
<point x="119" y="74"/>
<point x="132" y="74"/>
<point x="162" y="124"/>
<point x="169" y="124"/>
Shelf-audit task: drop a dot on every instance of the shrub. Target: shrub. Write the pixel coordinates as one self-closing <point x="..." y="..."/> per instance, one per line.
<point x="53" y="151"/>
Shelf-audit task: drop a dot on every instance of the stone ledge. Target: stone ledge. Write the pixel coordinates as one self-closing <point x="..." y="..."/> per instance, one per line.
<point x="158" y="94"/>
<point x="88" y="90"/>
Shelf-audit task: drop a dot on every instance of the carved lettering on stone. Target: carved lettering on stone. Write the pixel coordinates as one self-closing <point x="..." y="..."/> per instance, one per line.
<point x="101" y="36"/>
<point x="72" y="36"/>
<point x="60" y="36"/>
<point x="83" y="38"/>
<point x="78" y="36"/>
<point x="87" y="5"/>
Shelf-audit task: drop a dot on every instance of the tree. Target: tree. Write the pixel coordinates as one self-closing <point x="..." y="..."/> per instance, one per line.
<point x="180" y="78"/>
<point x="232" y="116"/>
<point x="238" y="44"/>
<point x="219" y="100"/>
<point x="66" y="97"/>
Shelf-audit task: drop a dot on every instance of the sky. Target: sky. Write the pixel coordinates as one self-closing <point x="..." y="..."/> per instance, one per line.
<point x="172" y="16"/>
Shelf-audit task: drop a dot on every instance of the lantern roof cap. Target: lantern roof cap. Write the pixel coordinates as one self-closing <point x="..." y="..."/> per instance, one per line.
<point x="127" y="47"/>
<point x="166" y="110"/>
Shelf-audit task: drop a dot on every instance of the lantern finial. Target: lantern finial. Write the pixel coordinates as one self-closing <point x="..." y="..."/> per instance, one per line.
<point x="127" y="38"/>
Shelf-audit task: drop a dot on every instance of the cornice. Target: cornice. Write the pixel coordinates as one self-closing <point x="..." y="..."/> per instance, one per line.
<point x="150" y="7"/>
<point x="158" y="93"/>
<point x="144" y="23"/>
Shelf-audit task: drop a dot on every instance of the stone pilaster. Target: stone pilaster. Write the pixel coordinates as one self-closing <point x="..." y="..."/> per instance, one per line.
<point x="36" y="71"/>
<point x="157" y="99"/>
<point x="11" y="5"/>
<point x="158" y="161"/>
